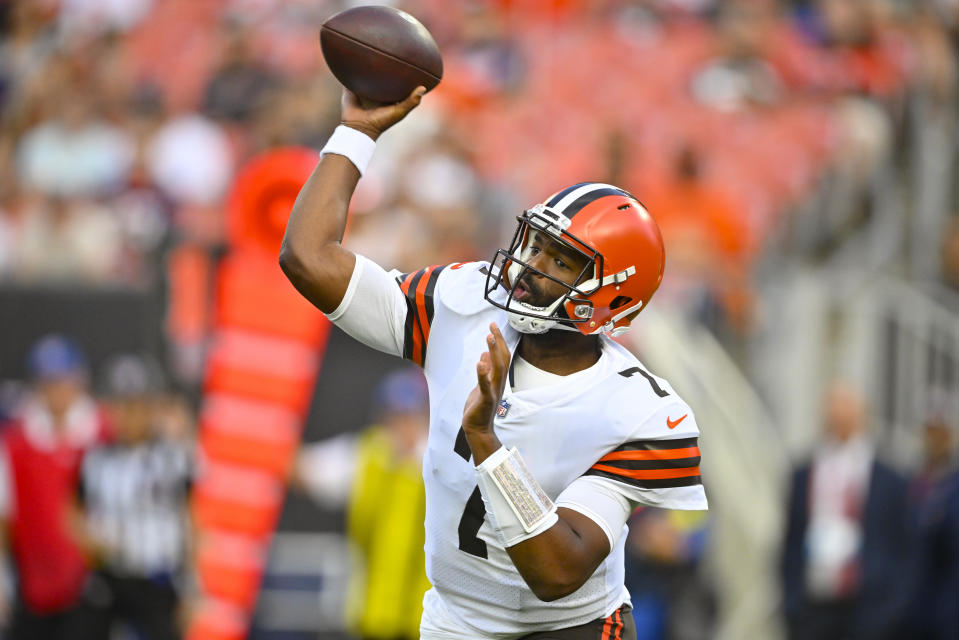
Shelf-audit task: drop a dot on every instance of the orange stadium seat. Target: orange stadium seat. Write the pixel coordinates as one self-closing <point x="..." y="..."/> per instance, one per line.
<point x="173" y="48"/>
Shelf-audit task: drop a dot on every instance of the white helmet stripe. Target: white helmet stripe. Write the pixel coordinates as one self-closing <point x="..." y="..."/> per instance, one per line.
<point x="574" y="195"/>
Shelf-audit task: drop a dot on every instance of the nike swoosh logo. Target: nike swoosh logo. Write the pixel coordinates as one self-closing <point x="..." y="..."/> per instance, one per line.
<point x="672" y="423"/>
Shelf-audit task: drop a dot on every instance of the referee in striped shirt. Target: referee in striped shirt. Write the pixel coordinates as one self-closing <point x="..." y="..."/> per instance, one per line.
<point x="134" y="493"/>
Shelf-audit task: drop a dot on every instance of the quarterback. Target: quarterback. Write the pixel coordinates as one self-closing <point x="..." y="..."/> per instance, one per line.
<point x="544" y="433"/>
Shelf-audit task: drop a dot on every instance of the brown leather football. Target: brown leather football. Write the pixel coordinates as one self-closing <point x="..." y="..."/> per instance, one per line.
<point x="380" y="53"/>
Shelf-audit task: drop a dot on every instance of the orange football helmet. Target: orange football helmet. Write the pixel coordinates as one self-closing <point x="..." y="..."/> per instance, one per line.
<point x="624" y="253"/>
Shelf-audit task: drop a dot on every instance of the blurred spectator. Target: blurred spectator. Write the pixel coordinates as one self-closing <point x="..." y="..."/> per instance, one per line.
<point x="935" y="496"/>
<point x="435" y="211"/>
<point x="709" y="244"/>
<point x="846" y="551"/>
<point x="190" y="159"/>
<point x="862" y="65"/>
<point x="134" y="493"/>
<point x="298" y="113"/>
<point x="76" y="153"/>
<point x="67" y="240"/>
<point x="94" y="17"/>
<point x="739" y="75"/>
<point x="379" y="473"/>
<point x="489" y="51"/>
<point x="25" y="46"/>
<point x="42" y="451"/>
<point x="665" y="579"/>
<point x="241" y="84"/>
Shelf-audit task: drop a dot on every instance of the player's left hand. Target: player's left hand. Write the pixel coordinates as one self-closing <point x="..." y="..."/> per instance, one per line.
<point x="491" y="371"/>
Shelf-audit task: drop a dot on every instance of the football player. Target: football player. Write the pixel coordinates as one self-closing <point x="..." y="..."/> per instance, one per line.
<point x="544" y="432"/>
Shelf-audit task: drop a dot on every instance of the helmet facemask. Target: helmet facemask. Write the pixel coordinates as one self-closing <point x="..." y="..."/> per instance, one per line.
<point x="510" y="266"/>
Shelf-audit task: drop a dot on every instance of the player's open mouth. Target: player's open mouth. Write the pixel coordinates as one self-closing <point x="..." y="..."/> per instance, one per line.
<point x="520" y="292"/>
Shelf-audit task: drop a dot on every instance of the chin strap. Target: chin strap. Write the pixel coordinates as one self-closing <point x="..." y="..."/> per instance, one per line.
<point x="528" y="324"/>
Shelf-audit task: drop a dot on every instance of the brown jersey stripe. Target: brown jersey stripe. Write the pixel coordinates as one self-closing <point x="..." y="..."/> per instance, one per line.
<point x="419" y="298"/>
<point x="661" y="454"/>
<point x="658" y="445"/>
<point x="667" y="483"/>
<point x="404" y="283"/>
<point x="413" y="332"/>
<point x="648" y="474"/>
<point x="430" y="288"/>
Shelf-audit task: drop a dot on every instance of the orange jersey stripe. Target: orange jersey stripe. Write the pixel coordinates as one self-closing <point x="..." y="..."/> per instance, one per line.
<point x="664" y="454"/>
<point x="654" y="474"/>
<point x="421" y="311"/>
<point x="416" y="342"/>
<point x="417" y="354"/>
<point x="405" y="285"/>
<point x="606" y="627"/>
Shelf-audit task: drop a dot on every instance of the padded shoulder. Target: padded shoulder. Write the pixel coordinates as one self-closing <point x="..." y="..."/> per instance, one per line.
<point x="461" y="287"/>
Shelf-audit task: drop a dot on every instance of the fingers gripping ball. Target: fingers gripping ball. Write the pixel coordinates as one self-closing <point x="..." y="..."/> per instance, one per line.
<point x="380" y="53"/>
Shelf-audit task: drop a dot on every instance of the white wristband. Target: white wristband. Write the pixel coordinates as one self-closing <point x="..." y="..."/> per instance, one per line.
<point x="355" y="145"/>
<point x="518" y="507"/>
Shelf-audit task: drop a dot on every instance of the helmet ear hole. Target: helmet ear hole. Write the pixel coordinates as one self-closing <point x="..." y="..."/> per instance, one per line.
<point x="619" y="301"/>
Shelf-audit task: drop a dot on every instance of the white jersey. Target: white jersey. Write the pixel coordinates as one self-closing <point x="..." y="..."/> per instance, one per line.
<point x="612" y="428"/>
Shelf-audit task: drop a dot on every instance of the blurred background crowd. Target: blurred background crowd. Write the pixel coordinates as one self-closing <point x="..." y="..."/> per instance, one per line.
<point x="799" y="156"/>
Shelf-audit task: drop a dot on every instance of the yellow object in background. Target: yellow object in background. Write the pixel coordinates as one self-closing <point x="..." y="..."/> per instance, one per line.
<point x="385" y="523"/>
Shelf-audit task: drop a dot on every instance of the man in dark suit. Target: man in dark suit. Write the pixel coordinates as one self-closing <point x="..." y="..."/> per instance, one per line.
<point x="845" y="562"/>
<point x="935" y="497"/>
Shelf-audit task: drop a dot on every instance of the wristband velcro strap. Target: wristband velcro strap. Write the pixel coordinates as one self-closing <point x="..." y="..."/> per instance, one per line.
<point x="517" y="505"/>
<point x="355" y="145"/>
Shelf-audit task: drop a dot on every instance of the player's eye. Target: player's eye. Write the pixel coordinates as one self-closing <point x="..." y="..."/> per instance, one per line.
<point x="559" y="263"/>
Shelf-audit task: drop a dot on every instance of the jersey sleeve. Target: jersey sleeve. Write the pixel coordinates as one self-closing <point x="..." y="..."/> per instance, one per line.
<point x="389" y="311"/>
<point x="601" y="502"/>
<point x="419" y="290"/>
<point x="659" y="465"/>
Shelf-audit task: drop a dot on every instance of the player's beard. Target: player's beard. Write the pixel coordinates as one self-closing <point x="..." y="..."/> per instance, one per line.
<point x="537" y="297"/>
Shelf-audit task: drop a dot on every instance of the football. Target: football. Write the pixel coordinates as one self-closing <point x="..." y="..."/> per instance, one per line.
<point x="380" y="53"/>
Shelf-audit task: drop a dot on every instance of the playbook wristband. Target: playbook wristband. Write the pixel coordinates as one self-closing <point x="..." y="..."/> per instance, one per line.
<point x="354" y="145"/>
<point x="515" y="502"/>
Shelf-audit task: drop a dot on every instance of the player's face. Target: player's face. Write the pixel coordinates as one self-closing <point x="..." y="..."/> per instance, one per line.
<point x="552" y="258"/>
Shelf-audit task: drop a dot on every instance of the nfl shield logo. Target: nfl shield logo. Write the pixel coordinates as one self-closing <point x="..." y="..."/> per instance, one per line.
<point x="502" y="409"/>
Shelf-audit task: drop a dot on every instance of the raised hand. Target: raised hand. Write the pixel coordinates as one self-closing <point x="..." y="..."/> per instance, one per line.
<point x="491" y="372"/>
<point x="374" y="118"/>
